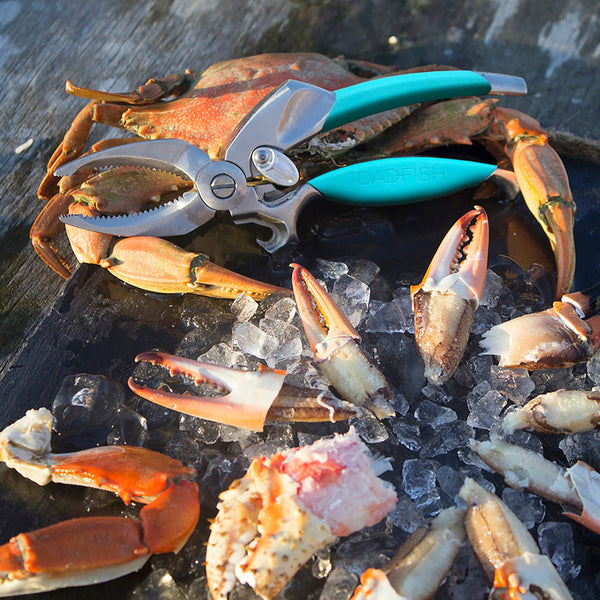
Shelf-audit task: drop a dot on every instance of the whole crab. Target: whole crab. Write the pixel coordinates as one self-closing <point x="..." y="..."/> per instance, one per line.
<point x="204" y="110"/>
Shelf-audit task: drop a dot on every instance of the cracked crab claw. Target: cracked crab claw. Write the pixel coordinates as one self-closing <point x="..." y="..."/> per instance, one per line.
<point x="553" y="338"/>
<point x="577" y="489"/>
<point x="421" y="564"/>
<point x="335" y="344"/>
<point x="508" y="555"/>
<point x="247" y="399"/>
<point x="88" y="550"/>
<point x="445" y="301"/>
<point x="290" y="505"/>
<point x="562" y="411"/>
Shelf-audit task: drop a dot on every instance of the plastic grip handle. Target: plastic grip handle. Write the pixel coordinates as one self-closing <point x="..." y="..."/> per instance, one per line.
<point x="400" y="180"/>
<point x="376" y="95"/>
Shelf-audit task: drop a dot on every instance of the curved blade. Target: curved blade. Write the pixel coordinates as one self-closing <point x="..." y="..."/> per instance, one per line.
<point x="177" y="217"/>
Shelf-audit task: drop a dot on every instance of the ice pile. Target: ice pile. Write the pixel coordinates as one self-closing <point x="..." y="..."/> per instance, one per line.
<point x="428" y="440"/>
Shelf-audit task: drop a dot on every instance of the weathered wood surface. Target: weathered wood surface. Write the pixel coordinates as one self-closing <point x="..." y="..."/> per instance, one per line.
<point x="117" y="45"/>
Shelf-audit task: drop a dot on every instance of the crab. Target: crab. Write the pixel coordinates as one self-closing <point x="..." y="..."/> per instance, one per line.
<point x="561" y="336"/>
<point x="444" y="302"/>
<point x="421" y="564"/>
<point x="288" y="506"/>
<point x="248" y="397"/>
<point x="336" y="349"/>
<point x="89" y="550"/>
<point x="206" y="110"/>
<point x="508" y="555"/>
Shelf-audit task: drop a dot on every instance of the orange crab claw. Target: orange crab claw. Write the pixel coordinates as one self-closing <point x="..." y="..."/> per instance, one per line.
<point x="250" y="397"/>
<point x="156" y="265"/>
<point x="334" y="342"/>
<point x="445" y="301"/>
<point x="89" y="550"/>
<point x="553" y="338"/>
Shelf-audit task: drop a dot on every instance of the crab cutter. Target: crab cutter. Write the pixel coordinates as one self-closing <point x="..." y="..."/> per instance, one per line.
<point x="258" y="183"/>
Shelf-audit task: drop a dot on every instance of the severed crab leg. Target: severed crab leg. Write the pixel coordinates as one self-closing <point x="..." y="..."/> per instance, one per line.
<point x="563" y="411"/>
<point x="90" y="550"/>
<point x="507" y="553"/>
<point x="290" y="505"/>
<point x="576" y="488"/>
<point x="335" y="346"/>
<point x="553" y="338"/>
<point x="250" y="397"/>
<point x="421" y="564"/>
<point x="445" y="301"/>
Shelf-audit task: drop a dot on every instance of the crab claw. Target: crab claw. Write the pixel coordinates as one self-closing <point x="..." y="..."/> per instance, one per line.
<point x="562" y="411"/>
<point x="250" y="397"/>
<point x="420" y="565"/>
<point x="445" y="301"/>
<point x="554" y="338"/>
<point x="576" y="488"/>
<point x="507" y="553"/>
<point x="156" y="265"/>
<point x="290" y="505"/>
<point x="334" y="342"/>
<point x="90" y="550"/>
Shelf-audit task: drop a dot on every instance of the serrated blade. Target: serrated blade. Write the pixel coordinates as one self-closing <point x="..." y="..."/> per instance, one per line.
<point x="178" y="217"/>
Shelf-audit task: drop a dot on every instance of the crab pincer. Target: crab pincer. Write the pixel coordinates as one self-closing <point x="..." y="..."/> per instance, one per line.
<point x="89" y="550"/>
<point x="577" y="488"/>
<point x="445" y="301"/>
<point x="242" y="398"/>
<point x="335" y="345"/>
<point x="561" y="336"/>
<point x="421" y="564"/>
<point x="508" y="555"/>
<point x="288" y="506"/>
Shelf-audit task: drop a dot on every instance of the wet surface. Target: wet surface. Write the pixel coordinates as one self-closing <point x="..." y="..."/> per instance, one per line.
<point x="100" y="325"/>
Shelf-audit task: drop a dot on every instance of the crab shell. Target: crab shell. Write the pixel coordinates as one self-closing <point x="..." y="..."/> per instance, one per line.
<point x="289" y="506"/>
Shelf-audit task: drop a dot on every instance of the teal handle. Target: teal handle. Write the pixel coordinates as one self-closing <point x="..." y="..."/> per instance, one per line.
<point x="376" y="95"/>
<point x="400" y="180"/>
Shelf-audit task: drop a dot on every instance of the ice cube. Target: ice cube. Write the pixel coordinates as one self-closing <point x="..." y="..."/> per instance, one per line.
<point x="403" y="300"/>
<point x="556" y="542"/>
<point x="418" y="476"/>
<point x="283" y="310"/>
<point x="385" y="317"/>
<point x="244" y="307"/>
<point x="157" y="584"/>
<point x="252" y="340"/>
<point x="206" y="432"/>
<point x="484" y="319"/>
<point x="485" y="412"/>
<point x="364" y="270"/>
<point x="429" y="413"/>
<point x="352" y="296"/>
<point x="223" y="354"/>
<point x="492" y="290"/>
<point x="515" y="384"/>
<point x="529" y="508"/>
<point x="370" y="428"/>
<point x="406" y="515"/>
<point x="446" y="438"/>
<point x="331" y="269"/>
<point x="407" y="434"/>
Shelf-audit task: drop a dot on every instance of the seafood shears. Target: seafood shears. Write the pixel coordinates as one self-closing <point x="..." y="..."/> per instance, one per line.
<point x="257" y="182"/>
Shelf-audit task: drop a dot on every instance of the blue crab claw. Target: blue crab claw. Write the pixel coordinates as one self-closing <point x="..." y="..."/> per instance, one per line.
<point x="241" y="398"/>
<point x="577" y="488"/>
<point x="420" y="565"/>
<point x="445" y="301"/>
<point x="553" y="338"/>
<point x="334" y="342"/>
<point x="508" y="555"/>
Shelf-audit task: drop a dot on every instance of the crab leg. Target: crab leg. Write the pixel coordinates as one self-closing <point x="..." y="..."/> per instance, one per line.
<point x="554" y="338"/>
<point x="421" y="564"/>
<point x="89" y="550"/>
<point x="506" y="551"/>
<point x="445" y="301"/>
<point x="334" y="343"/>
<point x="250" y="396"/>
<point x="576" y="488"/>
<point x="563" y="411"/>
<point x="289" y="506"/>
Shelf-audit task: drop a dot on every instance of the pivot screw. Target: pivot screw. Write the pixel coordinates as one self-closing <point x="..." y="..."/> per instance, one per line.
<point x="223" y="186"/>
